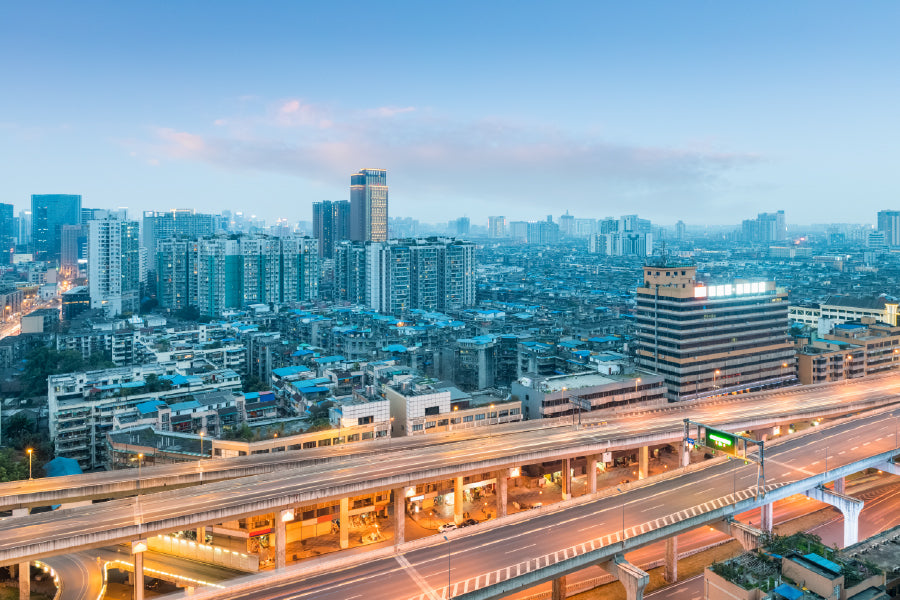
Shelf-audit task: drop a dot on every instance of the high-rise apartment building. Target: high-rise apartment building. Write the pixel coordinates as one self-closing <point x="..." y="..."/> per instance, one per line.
<point x="542" y="232"/>
<point x="889" y="225"/>
<point x="113" y="265"/>
<point x="7" y="234"/>
<point x="707" y="339"/>
<point x="181" y="222"/>
<point x="331" y="224"/>
<point x="625" y="236"/>
<point x="399" y="275"/>
<point x="567" y="224"/>
<point x="765" y="228"/>
<point x="49" y="212"/>
<point x="218" y="273"/>
<point x="369" y="206"/>
<point x="497" y="227"/>
<point x="462" y="225"/>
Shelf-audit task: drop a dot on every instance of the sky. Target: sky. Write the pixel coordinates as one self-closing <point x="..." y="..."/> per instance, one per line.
<point x="708" y="112"/>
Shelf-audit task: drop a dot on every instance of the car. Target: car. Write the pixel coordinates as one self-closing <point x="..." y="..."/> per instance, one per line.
<point x="447" y="527"/>
<point x="468" y="522"/>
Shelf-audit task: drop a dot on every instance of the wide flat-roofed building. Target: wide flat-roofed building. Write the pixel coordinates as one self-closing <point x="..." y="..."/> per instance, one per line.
<point x="709" y="339"/>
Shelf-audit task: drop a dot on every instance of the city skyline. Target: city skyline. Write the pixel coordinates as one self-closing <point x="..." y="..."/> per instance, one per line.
<point x="695" y="112"/>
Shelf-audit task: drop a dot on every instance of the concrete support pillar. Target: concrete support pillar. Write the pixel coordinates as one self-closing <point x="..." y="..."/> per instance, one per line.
<point x="458" y="501"/>
<point x="502" y="491"/>
<point x="685" y="454"/>
<point x="558" y="591"/>
<point x="766" y="520"/>
<point x="633" y="579"/>
<point x="643" y="462"/>
<point x="281" y="519"/>
<point x="399" y="515"/>
<point x="592" y="474"/>
<point x="24" y="581"/>
<point x="849" y="507"/>
<point x="201" y="535"/>
<point x="137" y="553"/>
<point x="345" y="523"/>
<point x="24" y="569"/>
<point x="566" y="477"/>
<point x="747" y="535"/>
<point x="840" y="486"/>
<point x="13" y="571"/>
<point x="671" y="574"/>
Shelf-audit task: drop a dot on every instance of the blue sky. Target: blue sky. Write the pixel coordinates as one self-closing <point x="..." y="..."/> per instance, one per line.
<point x="702" y="111"/>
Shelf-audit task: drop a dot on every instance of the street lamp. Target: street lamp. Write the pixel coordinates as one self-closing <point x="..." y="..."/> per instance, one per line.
<point x="201" y="443"/>
<point x="715" y="374"/>
<point x="636" y="382"/>
<point x="140" y="464"/>
<point x="848" y="365"/>
<point x="30" y="452"/>
<point x="446" y="539"/>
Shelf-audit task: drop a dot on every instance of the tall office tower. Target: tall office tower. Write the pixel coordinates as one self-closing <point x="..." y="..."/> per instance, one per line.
<point x="889" y="224"/>
<point x="72" y="243"/>
<point x="567" y="224"/>
<point x="114" y="265"/>
<point x="24" y="234"/>
<point x="181" y="222"/>
<point x="350" y="272"/>
<point x="49" y="212"/>
<point x="680" y="230"/>
<point x="462" y="226"/>
<point x="428" y="274"/>
<point x="331" y="224"/>
<point x="369" y="206"/>
<point x="497" y="227"/>
<point x="7" y="234"/>
<point x="707" y="339"/>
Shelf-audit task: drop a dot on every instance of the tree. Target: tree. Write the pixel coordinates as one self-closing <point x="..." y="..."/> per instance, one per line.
<point x="12" y="467"/>
<point x="42" y="362"/>
<point x="252" y="383"/>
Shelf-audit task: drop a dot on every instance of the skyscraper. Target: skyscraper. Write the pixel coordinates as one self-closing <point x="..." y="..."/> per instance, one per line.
<point x="889" y="225"/>
<point x="766" y="227"/>
<point x="114" y="264"/>
<point x="182" y="222"/>
<point x="331" y="224"/>
<point x="7" y="234"/>
<point x="49" y="212"/>
<point x="369" y="206"/>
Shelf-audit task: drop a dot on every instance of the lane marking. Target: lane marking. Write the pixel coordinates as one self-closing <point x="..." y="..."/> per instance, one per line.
<point x="416" y="577"/>
<point x="523" y="547"/>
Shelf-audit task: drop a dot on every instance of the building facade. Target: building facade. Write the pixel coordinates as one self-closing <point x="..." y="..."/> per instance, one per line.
<point x="709" y="339"/>
<point x="369" y="206"/>
<point x="331" y="224"/>
<point x="49" y="212"/>
<point x="114" y="265"/>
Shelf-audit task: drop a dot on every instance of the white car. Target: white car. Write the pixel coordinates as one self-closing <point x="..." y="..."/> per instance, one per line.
<point x="447" y="527"/>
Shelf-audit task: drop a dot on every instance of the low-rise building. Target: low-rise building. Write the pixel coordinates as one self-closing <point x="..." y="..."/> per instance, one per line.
<point x="853" y="349"/>
<point x="83" y="406"/>
<point x="562" y="395"/>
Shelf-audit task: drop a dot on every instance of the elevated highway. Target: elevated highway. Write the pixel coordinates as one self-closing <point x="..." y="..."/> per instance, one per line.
<point x="125" y="520"/>
<point x="499" y="557"/>
<point x="628" y="430"/>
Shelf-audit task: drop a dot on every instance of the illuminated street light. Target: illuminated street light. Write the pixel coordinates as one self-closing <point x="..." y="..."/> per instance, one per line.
<point x="30" y="452"/>
<point x="715" y="374"/>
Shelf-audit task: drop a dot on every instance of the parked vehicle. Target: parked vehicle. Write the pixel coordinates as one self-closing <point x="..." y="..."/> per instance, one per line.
<point x="447" y="527"/>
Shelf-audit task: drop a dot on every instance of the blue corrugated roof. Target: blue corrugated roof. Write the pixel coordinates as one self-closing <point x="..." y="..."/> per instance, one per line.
<point x="189" y="405"/>
<point x="313" y="389"/>
<point x="145" y="408"/>
<point x="788" y="591"/>
<point x="824" y="563"/>
<point x="288" y="371"/>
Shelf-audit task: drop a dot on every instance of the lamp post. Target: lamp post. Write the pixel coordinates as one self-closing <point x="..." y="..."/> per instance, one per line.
<point x="894" y="358"/>
<point x="30" y="452"/>
<point x="446" y="539"/>
<point x="140" y="464"/>
<point x="848" y="365"/>
<point x="715" y="375"/>
<point x="783" y="367"/>
<point x="201" y="443"/>
<point x="636" y="383"/>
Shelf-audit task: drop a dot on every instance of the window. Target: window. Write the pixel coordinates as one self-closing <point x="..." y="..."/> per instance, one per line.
<point x="430" y="424"/>
<point x="468" y="418"/>
<point x="432" y="410"/>
<point x="479" y="417"/>
<point x="417" y="427"/>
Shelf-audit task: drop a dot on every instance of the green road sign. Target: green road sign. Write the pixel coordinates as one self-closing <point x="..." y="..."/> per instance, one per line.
<point x="721" y="440"/>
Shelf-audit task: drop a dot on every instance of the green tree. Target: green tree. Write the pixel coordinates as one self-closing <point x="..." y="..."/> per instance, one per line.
<point x="252" y="383"/>
<point x="12" y="467"/>
<point x="42" y="362"/>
